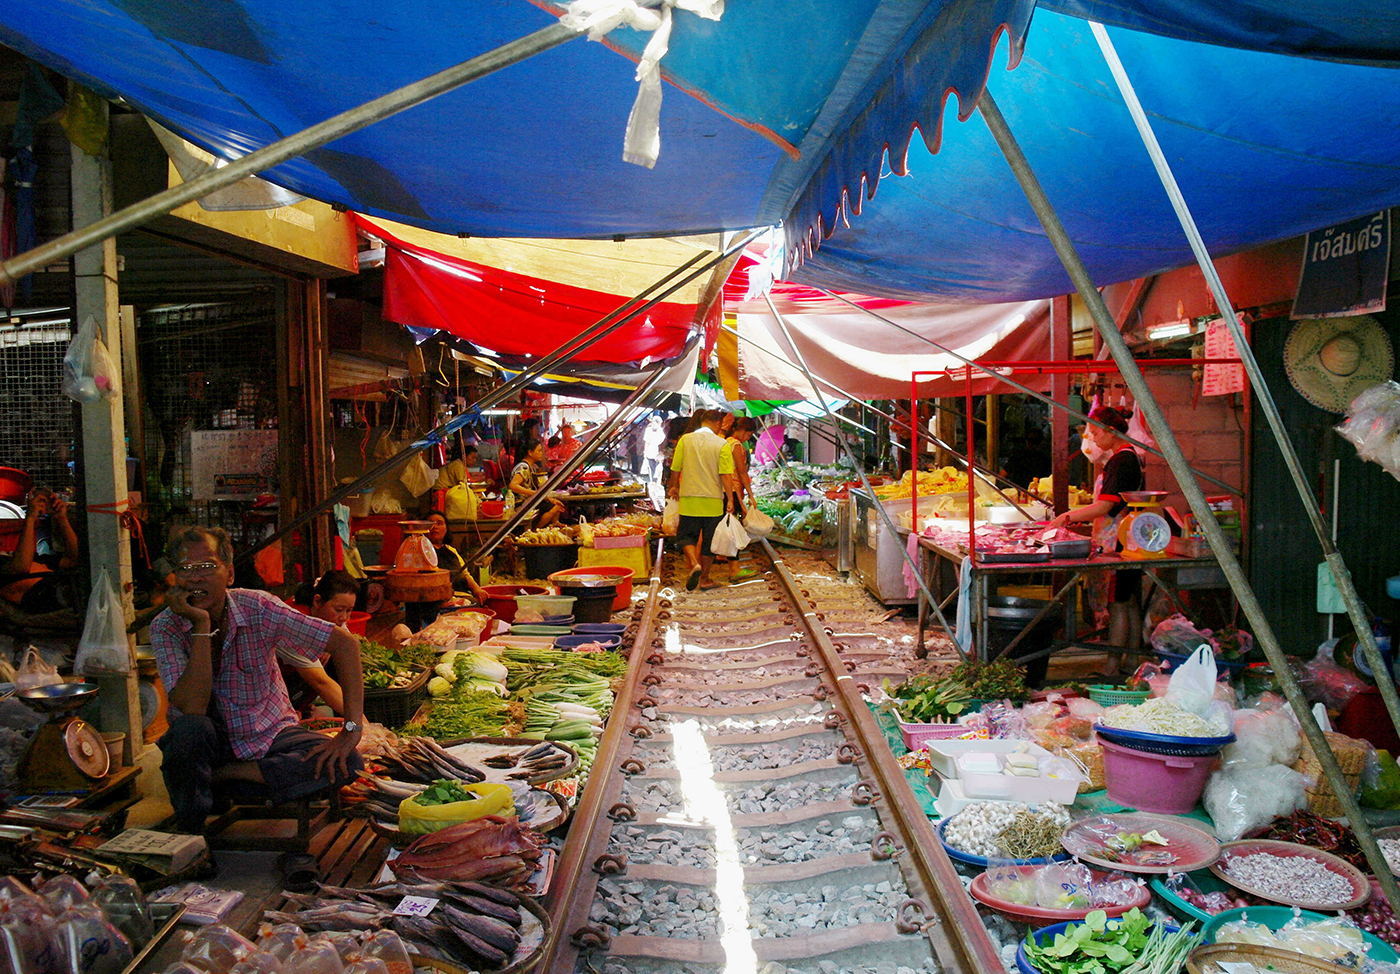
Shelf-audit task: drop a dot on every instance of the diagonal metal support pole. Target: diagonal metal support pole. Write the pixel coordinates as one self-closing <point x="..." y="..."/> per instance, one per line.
<point x="1262" y="396"/>
<point x="1220" y="545"/>
<point x="290" y="147"/>
<point x="865" y="482"/>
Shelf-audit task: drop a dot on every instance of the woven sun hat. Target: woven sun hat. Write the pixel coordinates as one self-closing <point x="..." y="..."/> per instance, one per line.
<point x="1331" y="361"/>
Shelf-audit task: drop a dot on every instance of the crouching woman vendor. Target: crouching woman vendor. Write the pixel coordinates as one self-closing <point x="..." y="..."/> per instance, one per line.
<point x="230" y="717"/>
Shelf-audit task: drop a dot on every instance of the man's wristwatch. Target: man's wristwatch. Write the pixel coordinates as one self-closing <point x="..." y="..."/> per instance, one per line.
<point x="350" y="726"/>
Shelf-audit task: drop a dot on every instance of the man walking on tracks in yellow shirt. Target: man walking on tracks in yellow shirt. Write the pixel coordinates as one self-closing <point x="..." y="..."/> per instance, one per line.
<point x="696" y="469"/>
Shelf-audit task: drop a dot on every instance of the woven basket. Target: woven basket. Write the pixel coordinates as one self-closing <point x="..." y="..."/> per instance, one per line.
<point x="1351" y="755"/>
<point x="1206" y="960"/>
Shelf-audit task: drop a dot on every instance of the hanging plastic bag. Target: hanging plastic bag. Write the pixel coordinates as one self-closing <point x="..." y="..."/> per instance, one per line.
<point x="758" y="524"/>
<point x="103" y="647"/>
<point x="34" y="672"/>
<point x="88" y="372"/>
<point x="671" y="518"/>
<point x="417" y="476"/>
<point x="730" y="537"/>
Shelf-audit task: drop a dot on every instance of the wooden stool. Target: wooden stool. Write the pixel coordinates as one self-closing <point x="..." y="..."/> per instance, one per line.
<point x="247" y="801"/>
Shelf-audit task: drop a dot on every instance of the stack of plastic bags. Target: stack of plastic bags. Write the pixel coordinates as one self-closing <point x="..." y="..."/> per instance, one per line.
<point x="61" y="928"/>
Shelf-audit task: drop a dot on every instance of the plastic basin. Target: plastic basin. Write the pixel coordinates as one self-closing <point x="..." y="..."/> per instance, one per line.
<point x="491" y="509"/>
<point x="543" y="560"/>
<point x="574" y="640"/>
<point x="14" y="484"/>
<point x="532" y="629"/>
<point x="501" y="598"/>
<point x="600" y="628"/>
<point x="618" y="575"/>
<point x="1047" y="935"/>
<point x="1033" y="915"/>
<point x="1158" y="783"/>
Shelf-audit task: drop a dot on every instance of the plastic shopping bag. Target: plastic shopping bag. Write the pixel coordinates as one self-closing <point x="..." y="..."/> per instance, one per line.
<point x="671" y="518"/>
<point x="104" y="647"/>
<point x="417" y="476"/>
<point x="730" y="536"/>
<point x="460" y="503"/>
<point x="88" y="371"/>
<point x="34" y="672"/>
<point x="758" y="524"/>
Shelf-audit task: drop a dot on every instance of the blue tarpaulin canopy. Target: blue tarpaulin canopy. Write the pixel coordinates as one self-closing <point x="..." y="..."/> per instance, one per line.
<point x="782" y="112"/>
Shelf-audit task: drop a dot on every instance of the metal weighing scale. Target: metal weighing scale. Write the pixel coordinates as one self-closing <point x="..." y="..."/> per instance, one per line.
<point x="66" y="753"/>
<point x="1144" y="532"/>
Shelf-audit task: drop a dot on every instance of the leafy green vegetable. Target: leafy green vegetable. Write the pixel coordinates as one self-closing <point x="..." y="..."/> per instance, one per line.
<point x="922" y="699"/>
<point x="444" y="791"/>
<point x="1001" y="680"/>
<point x="1131" y="944"/>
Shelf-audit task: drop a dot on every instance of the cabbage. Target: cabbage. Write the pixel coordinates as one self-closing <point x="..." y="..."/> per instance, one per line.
<point x="439" y="687"/>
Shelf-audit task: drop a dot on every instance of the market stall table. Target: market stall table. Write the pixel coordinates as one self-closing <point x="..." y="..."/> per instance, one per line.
<point x="933" y="557"/>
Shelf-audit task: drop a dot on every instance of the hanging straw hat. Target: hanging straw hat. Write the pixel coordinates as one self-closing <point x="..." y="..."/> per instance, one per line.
<point x="1331" y="361"/>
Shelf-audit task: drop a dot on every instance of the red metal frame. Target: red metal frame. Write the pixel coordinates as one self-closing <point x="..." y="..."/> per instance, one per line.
<point x="1038" y="367"/>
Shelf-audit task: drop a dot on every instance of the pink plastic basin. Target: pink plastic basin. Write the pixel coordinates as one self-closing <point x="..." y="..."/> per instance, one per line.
<point x="1154" y="782"/>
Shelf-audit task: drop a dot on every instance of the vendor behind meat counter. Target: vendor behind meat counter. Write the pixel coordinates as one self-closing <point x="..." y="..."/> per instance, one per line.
<point x="230" y="717"/>
<point x="1121" y="471"/>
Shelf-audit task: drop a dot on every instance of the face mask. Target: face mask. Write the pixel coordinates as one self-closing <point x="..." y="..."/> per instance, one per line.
<point x="1095" y="454"/>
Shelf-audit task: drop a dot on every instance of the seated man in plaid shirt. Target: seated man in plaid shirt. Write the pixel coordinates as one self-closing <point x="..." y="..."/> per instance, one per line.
<point x="230" y="717"/>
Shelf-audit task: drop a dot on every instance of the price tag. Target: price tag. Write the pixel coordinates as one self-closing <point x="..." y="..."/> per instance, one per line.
<point x="415" y="906"/>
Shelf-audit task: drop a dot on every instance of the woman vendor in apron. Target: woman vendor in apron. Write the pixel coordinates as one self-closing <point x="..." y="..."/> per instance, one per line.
<point x="1119" y="470"/>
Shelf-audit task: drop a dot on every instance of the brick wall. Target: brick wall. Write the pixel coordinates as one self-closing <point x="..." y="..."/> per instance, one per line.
<point x="1210" y="430"/>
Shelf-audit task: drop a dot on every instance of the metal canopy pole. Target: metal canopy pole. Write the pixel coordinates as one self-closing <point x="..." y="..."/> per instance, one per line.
<point x="1262" y="394"/>
<point x="1021" y="387"/>
<point x="865" y="482"/>
<point x="290" y="147"/>
<point x="1157" y="423"/>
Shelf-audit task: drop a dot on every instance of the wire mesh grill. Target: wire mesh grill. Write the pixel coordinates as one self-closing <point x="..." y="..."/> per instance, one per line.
<point x="36" y="419"/>
<point x="205" y="367"/>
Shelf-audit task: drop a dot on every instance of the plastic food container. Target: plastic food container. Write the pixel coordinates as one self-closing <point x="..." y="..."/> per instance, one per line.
<point x="943" y="755"/>
<point x="600" y="628"/>
<point x="1161" y="783"/>
<point x="546" y="605"/>
<point x="1058" y="781"/>
<point x="574" y="640"/>
<point x="1274" y="917"/>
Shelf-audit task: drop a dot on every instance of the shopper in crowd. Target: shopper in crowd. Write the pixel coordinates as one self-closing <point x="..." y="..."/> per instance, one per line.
<point x="230" y="716"/>
<point x="42" y="583"/>
<point x="563" y="450"/>
<point x="652" y="440"/>
<point x="737" y="485"/>
<point x="309" y="677"/>
<point x="696" y="469"/>
<point x="1121" y="470"/>
<point x="528" y="478"/>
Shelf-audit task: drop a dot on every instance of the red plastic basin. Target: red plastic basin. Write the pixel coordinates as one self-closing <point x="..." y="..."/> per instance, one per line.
<point x="501" y="598"/>
<point x="619" y="575"/>
<point x="14" y="484"/>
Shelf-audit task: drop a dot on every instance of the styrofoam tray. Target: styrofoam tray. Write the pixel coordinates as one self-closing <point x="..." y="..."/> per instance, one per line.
<point x="1058" y="782"/>
<point x="943" y="755"/>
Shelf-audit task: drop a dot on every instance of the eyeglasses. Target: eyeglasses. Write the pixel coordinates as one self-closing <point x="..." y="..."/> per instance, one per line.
<point x="202" y="569"/>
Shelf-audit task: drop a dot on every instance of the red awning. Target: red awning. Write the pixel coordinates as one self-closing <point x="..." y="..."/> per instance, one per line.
<point x="520" y="314"/>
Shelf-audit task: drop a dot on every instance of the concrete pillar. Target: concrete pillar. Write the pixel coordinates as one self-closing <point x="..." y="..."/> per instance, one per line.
<point x="104" y="430"/>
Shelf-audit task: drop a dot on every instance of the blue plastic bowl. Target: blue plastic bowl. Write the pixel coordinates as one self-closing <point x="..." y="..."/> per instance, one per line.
<point x="1045" y="934"/>
<point x="1392" y="586"/>
<point x="983" y="861"/>
<point x="601" y="628"/>
<point x="557" y="621"/>
<point x="578" y="639"/>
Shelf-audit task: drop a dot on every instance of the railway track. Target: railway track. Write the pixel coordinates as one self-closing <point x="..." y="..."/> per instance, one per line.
<point x="744" y="813"/>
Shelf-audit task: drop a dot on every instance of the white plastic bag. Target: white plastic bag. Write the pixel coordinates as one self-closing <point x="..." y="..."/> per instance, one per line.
<point x="1241" y="800"/>
<point x="730" y="536"/>
<point x="103" y="647"/>
<point x="671" y="518"/>
<point x="88" y="372"/>
<point x="1192" y="686"/>
<point x="34" y="672"/>
<point x="417" y="476"/>
<point x="758" y="524"/>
